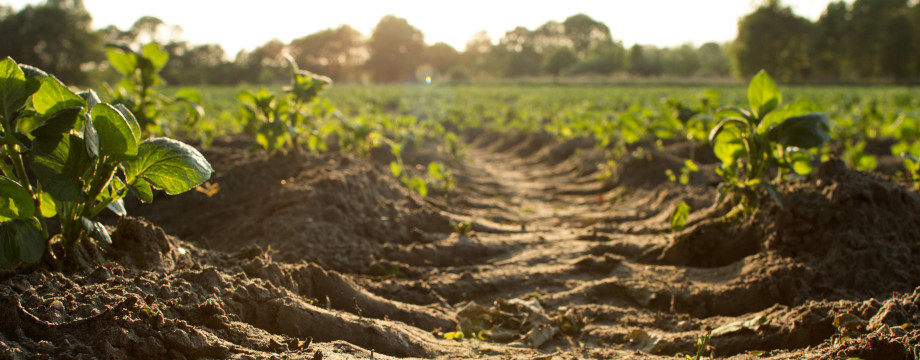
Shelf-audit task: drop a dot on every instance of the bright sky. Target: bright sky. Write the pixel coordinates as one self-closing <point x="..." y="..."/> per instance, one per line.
<point x="240" y="25"/>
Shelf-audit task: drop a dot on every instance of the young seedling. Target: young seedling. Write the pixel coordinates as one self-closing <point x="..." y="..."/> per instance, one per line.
<point x="752" y="141"/>
<point x="82" y="156"/>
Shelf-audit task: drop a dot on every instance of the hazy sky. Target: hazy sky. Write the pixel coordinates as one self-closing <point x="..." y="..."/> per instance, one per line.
<point x="237" y="25"/>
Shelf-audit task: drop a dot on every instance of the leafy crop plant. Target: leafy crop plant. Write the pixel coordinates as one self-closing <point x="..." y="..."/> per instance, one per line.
<point x="749" y="142"/>
<point x="70" y="155"/>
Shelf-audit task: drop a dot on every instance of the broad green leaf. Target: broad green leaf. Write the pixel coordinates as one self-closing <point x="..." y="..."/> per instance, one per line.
<point x="61" y="122"/>
<point x="733" y="112"/>
<point x="168" y="164"/>
<point x="804" y="131"/>
<point x="53" y="96"/>
<point x="156" y="55"/>
<point x="90" y="97"/>
<point x="763" y="94"/>
<point x="141" y="188"/>
<point x="395" y="168"/>
<point x="95" y="230"/>
<point x="34" y="73"/>
<point x="49" y="207"/>
<point x="60" y="165"/>
<point x="189" y="94"/>
<point x="20" y="240"/>
<point x="116" y="137"/>
<point x="90" y="138"/>
<point x="16" y="201"/>
<point x="132" y="121"/>
<point x="800" y="161"/>
<point x="122" y="59"/>
<point x="246" y="97"/>
<point x="729" y="145"/>
<point x="679" y="216"/>
<point x="15" y="87"/>
<point x="867" y="162"/>
<point x="149" y="73"/>
<point x="795" y="109"/>
<point x="118" y="207"/>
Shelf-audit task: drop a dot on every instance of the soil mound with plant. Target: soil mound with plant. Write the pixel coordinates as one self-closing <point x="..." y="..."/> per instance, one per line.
<point x="330" y="257"/>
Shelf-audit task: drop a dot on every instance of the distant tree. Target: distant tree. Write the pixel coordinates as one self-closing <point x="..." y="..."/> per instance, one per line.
<point x="338" y="53"/>
<point x="713" y="60"/>
<point x="879" y="38"/>
<point x="561" y="59"/>
<point x="586" y="33"/>
<point x="645" y="60"/>
<point x="479" y="58"/>
<point x="775" y="39"/>
<point x="440" y="56"/>
<point x="829" y="45"/>
<point x="519" y="52"/>
<point x="396" y="50"/>
<point x="54" y="36"/>
<point x="264" y="64"/>
<point x="681" y="61"/>
<point x="196" y="65"/>
<point x="550" y="37"/>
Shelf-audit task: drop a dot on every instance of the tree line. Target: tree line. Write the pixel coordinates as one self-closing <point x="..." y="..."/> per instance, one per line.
<point x="868" y="40"/>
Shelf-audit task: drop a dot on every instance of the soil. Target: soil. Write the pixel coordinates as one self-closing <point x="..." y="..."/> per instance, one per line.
<point x="329" y="257"/>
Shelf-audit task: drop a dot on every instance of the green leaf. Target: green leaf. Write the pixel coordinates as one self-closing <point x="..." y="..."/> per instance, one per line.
<point x="800" y="161"/>
<point x="728" y="144"/>
<point x="395" y="168"/>
<point x="90" y="97"/>
<point x="90" y="138"/>
<point x="16" y="201"/>
<point x="95" y="230"/>
<point x="271" y="135"/>
<point x="158" y="58"/>
<point x="141" y="188"/>
<point x="122" y="59"/>
<point x="118" y="207"/>
<point x="867" y="162"/>
<point x="679" y="216"/>
<point x="132" y="121"/>
<point x="168" y="164"/>
<point x="61" y="122"/>
<point x="763" y="94"/>
<point x="15" y="87"/>
<point x="48" y="206"/>
<point x="60" y="165"/>
<point x="795" y="109"/>
<point x="20" y="240"/>
<point x="804" y="131"/>
<point x="116" y="137"/>
<point x="189" y="94"/>
<point x="53" y="96"/>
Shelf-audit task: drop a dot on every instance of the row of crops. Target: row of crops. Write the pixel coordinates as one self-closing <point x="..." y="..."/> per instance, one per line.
<point x="762" y="135"/>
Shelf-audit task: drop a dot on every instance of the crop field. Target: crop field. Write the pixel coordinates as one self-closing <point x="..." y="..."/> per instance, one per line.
<point x="456" y="221"/>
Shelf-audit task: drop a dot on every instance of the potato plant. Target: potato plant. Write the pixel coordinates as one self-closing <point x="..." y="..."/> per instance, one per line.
<point x="750" y="142"/>
<point x="278" y="121"/>
<point x="69" y="155"/>
<point x="137" y="91"/>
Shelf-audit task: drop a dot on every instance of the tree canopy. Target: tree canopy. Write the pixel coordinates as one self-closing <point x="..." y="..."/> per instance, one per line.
<point x="865" y="40"/>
